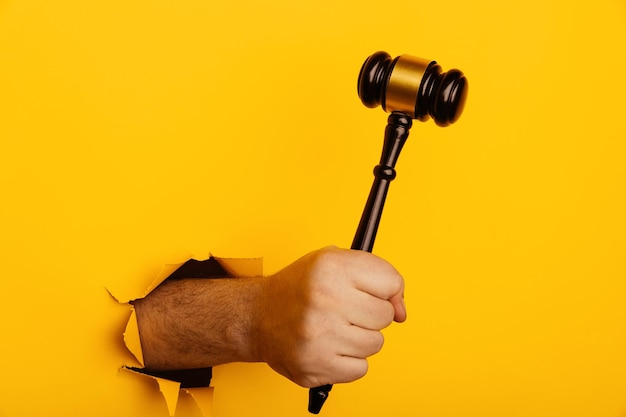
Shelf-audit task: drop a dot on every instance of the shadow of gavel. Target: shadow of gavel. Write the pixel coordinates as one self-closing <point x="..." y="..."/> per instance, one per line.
<point x="409" y="88"/>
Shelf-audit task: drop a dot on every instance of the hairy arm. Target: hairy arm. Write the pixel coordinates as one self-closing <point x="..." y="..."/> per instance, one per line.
<point x="196" y="323"/>
<point x="315" y="322"/>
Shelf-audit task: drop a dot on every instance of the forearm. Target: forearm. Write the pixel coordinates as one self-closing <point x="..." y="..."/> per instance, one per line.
<point x="196" y="323"/>
<point x="315" y="322"/>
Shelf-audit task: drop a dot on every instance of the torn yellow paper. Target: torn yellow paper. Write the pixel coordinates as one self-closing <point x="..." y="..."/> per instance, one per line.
<point x="131" y="337"/>
<point x="170" y="391"/>
<point x="203" y="398"/>
<point x="236" y="267"/>
<point x="248" y="267"/>
<point x="126" y="291"/>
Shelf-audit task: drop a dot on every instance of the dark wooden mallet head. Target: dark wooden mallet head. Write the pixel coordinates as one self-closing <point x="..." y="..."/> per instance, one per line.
<point x="414" y="86"/>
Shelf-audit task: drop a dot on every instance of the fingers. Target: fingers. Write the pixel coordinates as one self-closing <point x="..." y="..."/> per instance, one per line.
<point x="373" y="275"/>
<point x="368" y="272"/>
<point x="341" y="369"/>
<point x="347" y="369"/>
<point x="376" y="277"/>
<point x="340" y="358"/>
<point x="369" y="312"/>
<point x="397" y="301"/>
<point x="324" y="313"/>
<point x="360" y="343"/>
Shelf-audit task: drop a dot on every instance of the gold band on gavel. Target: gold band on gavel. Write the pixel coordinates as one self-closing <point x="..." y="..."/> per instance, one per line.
<point x="404" y="84"/>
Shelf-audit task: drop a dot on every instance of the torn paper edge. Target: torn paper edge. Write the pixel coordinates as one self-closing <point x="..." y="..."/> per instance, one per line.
<point x="131" y="337"/>
<point x="129" y="296"/>
<point x="235" y="267"/>
<point x="169" y="389"/>
<point x="241" y="267"/>
<point x="203" y="397"/>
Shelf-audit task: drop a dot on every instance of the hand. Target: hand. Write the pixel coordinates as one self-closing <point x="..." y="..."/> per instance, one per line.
<point x="320" y="317"/>
<point x="315" y="322"/>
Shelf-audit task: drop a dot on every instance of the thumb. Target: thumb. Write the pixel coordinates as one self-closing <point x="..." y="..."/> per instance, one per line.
<point x="397" y="301"/>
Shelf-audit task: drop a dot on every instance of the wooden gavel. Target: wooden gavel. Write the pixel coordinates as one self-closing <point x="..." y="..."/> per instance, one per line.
<point x="409" y="88"/>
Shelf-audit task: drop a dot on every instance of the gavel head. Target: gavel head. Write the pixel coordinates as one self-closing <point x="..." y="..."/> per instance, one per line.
<point x="414" y="86"/>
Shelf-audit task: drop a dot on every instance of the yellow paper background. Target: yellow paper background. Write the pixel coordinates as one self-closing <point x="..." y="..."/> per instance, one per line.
<point x="137" y="134"/>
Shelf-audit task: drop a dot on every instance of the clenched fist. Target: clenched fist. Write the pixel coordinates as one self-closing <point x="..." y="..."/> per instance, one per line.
<point x="322" y="315"/>
<point x="315" y="322"/>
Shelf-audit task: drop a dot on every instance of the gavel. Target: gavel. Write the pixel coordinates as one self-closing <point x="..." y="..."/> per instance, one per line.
<point x="409" y="88"/>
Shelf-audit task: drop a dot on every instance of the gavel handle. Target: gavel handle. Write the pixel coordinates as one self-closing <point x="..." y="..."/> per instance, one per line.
<point x="396" y="133"/>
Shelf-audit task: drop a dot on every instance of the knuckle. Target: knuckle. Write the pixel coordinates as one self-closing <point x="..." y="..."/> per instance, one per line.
<point x="321" y="265"/>
<point x="388" y="315"/>
<point x="355" y="370"/>
<point x="375" y="344"/>
<point x="396" y="283"/>
<point x="382" y="315"/>
<point x="393" y="279"/>
<point x="360" y="370"/>
<point x="327" y="257"/>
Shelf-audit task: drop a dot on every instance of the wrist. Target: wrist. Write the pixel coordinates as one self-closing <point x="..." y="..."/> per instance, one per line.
<point x="245" y="330"/>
